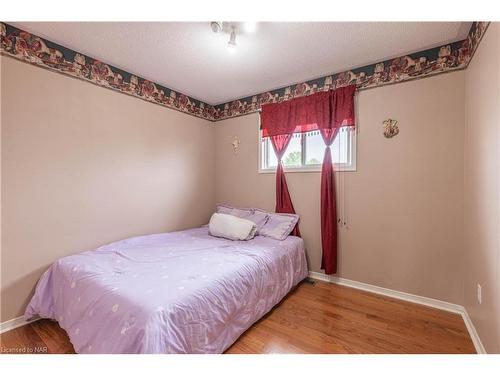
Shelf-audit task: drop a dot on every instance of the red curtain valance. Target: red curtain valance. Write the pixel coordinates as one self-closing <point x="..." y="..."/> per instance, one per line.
<point x="320" y="111"/>
<point x="325" y="111"/>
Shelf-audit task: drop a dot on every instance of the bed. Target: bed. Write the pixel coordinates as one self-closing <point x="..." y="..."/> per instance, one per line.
<point x="178" y="292"/>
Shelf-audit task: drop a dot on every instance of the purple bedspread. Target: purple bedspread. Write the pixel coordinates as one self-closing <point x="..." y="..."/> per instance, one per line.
<point x="179" y="292"/>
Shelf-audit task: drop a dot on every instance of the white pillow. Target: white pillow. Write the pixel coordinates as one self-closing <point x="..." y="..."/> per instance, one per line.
<point x="231" y="227"/>
<point x="259" y="217"/>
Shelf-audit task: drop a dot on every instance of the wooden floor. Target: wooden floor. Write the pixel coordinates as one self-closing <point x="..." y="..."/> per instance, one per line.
<point x="314" y="318"/>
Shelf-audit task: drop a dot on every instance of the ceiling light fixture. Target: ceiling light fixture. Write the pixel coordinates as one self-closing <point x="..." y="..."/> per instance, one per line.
<point x="250" y="27"/>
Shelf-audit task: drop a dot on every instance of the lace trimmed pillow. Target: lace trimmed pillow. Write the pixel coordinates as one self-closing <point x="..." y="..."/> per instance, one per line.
<point x="279" y="226"/>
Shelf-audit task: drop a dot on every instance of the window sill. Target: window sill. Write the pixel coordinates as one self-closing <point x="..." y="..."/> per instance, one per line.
<point x="308" y="169"/>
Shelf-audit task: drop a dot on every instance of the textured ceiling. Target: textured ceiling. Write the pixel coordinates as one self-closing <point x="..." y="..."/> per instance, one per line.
<point x="190" y="58"/>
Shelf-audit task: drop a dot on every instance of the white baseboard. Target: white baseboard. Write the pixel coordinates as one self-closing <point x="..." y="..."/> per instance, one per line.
<point x="431" y="302"/>
<point x="15" y="323"/>
<point x="472" y="332"/>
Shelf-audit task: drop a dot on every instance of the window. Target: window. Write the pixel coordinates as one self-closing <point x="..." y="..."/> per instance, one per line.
<point x="306" y="150"/>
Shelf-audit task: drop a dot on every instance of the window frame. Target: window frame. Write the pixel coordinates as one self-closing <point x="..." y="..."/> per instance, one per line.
<point x="303" y="168"/>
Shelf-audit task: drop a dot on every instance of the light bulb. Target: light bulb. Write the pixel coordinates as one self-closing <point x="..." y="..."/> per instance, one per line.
<point x="250" y="27"/>
<point x="231" y="45"/>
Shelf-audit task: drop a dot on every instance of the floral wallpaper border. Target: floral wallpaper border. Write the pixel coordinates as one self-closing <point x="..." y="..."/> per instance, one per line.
<point x="38" y="51"/>
<point x="41" y="52"/>
<point x="421" y="64"/>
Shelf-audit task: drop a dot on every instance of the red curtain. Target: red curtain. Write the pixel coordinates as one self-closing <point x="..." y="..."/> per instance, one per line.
<point x="325" y="111"/>
<point x="340" y="113"/>
<point x="328" y="207"/>
<point x="292" y="116"/>
<point x="283" y="201"/>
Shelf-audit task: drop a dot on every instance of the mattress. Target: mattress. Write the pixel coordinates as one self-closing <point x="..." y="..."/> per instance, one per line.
<point x="178" y="292"/>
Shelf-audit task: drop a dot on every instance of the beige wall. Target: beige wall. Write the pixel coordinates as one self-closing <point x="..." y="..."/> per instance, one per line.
<point x="82" y="166"/>
<point x="403" y="205"/>
<point x="482" y="188"/>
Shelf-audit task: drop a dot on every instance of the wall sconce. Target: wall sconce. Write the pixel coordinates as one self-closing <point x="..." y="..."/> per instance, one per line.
<point x="391" y="128"/>
<point x="236" y="145"/>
